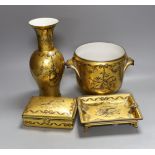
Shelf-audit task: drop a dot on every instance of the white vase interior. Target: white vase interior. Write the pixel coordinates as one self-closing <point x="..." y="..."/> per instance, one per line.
<point x="43" y="22"/>
<point x="100" y="51"/>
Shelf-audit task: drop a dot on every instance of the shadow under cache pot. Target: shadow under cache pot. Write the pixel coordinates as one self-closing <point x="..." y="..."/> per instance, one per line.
<point x="72" y="88"/>
<point x="106" y="130"/>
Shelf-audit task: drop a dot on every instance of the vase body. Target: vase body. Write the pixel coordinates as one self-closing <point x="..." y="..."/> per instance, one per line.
<point x="47" y="63"/>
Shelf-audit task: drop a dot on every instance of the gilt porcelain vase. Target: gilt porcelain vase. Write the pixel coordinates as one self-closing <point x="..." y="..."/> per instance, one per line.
<point x="46" y="63"/>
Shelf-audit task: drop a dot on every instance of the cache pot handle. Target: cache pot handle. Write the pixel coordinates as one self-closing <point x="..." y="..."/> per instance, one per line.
<point x="70" y="64"/>
<point x="129" y="62"/>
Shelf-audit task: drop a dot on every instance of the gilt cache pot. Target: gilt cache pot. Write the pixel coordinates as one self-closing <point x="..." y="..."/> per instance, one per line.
<point x="100" y="67"/>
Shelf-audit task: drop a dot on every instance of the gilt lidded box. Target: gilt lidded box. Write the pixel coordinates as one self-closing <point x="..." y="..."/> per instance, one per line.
<point x="53" y="112"/>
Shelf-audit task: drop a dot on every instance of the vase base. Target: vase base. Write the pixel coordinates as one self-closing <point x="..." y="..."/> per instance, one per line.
<point x="50" y="93"/>
<point x="58" y="95"/>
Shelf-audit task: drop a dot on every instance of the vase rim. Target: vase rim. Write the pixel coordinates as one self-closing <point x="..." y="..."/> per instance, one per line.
<point x="43" y="22"/>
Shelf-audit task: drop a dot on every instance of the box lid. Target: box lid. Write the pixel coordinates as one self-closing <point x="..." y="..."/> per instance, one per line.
<point x="53" y="107"/>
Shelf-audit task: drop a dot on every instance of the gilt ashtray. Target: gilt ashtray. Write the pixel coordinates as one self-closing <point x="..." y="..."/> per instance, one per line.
<point x="53" y="112"/>
<point x="108" y="110"/>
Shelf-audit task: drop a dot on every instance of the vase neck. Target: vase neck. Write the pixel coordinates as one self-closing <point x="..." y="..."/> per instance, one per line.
<point x="45" y="38"/>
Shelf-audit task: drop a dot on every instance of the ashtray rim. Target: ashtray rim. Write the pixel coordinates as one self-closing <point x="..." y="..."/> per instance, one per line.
<point x="110" y="120"/>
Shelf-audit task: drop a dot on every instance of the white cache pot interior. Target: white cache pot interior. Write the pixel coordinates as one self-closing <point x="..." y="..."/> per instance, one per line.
<point x="100" y="51"/>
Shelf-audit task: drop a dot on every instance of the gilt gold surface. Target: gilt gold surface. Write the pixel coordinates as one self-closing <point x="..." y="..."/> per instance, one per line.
<point x="96" y="77"/>
<point x="47" y="63"/>
<point x="53" y="112"/>
<point x="108" y="110"/>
